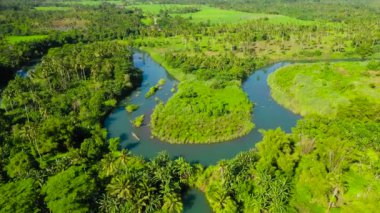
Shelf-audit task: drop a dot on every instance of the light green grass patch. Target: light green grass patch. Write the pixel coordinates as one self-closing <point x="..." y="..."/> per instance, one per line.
<point x="52" y="8"/>
<point x="156" y="8"/>
<point x="218" y="16"/>
<point x="92" y="3"/>
<point x="18" y="39"/>
<point x="321" y="88"/>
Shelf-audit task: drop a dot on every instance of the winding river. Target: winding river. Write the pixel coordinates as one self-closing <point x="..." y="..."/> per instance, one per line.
<point x="267" y="114"/>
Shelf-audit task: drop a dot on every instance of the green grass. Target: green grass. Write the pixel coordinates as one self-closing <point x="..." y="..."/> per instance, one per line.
<point x="92" y="3"/>
<point x="18" y="39"/>
<point x="197" y="113"/>
<point x="155" y="8"/>
<point x="218" y="16"/>
<point x="52" y="8"/>
<point x="321" y="88"/>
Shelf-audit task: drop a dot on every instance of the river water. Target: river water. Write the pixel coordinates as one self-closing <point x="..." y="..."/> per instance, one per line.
<point x="267" y="114"/>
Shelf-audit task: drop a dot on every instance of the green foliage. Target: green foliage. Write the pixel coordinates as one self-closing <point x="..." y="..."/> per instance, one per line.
<point x="277" y="151"/>
<point x="132" y="107"/>
<point x="138" y="121"/>
<point x="113" y="144"/>
<point x="252" y="182"/>
<point x="322" y="88"/>
<point x="152" y="91"/>
<point x="52" y="8"/>
<point x="19" y="165"/>
<point x="373" y="65"/>
<point x="50" y="122"/>
<point x="326" y="163"/>
<point x="161" y="82"/>
<point x="139" y="186"/>
<point x="70" y="190"/>
<point x="213" y="15"/>
<point x="18" y="39"/>
<point x="332" y="152"/>
<point x="200" y="114"/>
<point x="155" y="88"/>
<point x="19" y="196"/>
<point x="67" y="78"/>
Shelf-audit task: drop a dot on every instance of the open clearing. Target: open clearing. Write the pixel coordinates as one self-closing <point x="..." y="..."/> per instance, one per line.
<point x="321" y="88"/>
<point x="218" y="16"/>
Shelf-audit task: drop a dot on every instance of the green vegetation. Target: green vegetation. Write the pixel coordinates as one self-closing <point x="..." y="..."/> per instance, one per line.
<point x="69" y="190"/>
<point x="197" y="113"/>
<point x="18" y="39"/>
<point x="322" y="88"/>
<point x="152" y="91"/>
<point x="52" y="8"/>
<point x="161" y="82"/>
<point x="55" y="154"/>
<point x="155" y="88"/>
<point x="139" y="186"/>
<point x="93" y="2"/>
<point x="138" y="121"/>
<point x="324" y="164"/>
<point x="214" y="15"/>
<point x="131" y="107"/>
<point x="157" y="8"/>
<point x="20" y="195"/>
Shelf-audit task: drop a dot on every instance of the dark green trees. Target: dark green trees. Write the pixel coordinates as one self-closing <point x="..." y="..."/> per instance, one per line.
<point x="70" y="190"/>
<point x="51" y="135"/>
<point x="19" y="196"/>
<point x="139" y="186"/>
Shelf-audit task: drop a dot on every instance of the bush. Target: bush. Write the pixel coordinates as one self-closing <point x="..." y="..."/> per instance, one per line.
<point x="138" y="121"/>
<point x="131" y="107"/>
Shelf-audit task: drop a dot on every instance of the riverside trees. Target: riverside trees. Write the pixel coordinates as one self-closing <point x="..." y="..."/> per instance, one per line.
<point x="55" y="156"/>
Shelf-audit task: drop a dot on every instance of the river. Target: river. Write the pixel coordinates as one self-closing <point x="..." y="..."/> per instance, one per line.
<point x="267" y="114"/>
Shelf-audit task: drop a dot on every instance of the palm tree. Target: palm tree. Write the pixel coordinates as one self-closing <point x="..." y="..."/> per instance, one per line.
<point x="108" y="164"/>
<point x="108" y="204"/>
<point x="172" y="203"/>
<point x="121" y="187"/>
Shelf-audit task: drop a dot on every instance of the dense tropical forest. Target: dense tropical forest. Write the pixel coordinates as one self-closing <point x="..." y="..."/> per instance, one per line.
<point x="67" y="65"/>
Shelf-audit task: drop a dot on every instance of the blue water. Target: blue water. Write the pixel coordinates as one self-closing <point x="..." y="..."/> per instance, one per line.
<point x="267" y="114"/>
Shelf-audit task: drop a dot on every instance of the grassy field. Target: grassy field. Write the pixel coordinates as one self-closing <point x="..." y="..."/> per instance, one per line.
<point x="197" y="113"/>
<point x="52" y="8"/>
<point x="92" y="3"/>
<point x="321" y="88"/>
<point x="155" y="8"/>
<point x="269" y="50"/>
<point x="17" y="39"/>
<point x="217" y="16"/>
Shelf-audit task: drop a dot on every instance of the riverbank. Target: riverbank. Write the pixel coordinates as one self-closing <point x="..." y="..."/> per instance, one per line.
<point x="267" y="114"/>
